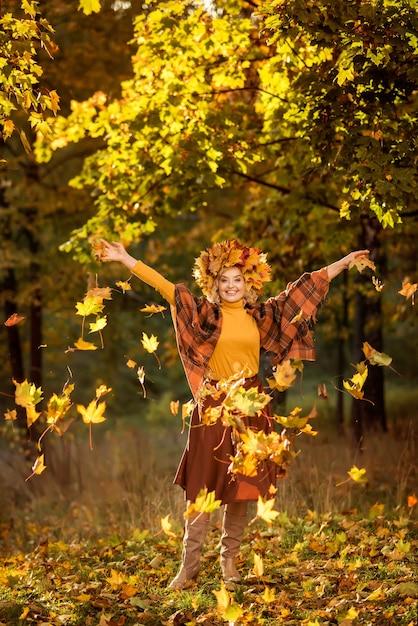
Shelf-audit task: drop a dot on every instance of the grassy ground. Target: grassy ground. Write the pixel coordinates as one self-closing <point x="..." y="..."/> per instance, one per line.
<point x="82" y="544"/>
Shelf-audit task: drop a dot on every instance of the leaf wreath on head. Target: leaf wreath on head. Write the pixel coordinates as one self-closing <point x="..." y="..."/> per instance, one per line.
<point x="231" y="253"/>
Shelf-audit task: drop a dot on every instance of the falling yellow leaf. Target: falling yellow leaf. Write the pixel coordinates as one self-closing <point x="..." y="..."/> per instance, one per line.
<point x="124" y="285"/>
<point x="408" y="289"/>
<point x="93" y="414"/>
<point x="131" y="364"/>
<point x="80" y="344"/>
<point x="375" y="357"/>
<point x="151" y="344"/>
<point x="174" y="407"/>
<point x="265" y="510"/>
<point x="358" y="475"/>
<point x="355" y="384"/>
<point x="166" y="526"/>
<point x="153" y="308"/>
<point x="412" y="500"/>
<point x="284" y="375"/>
<point x="38" y="467"/>
<point x="378" y="285"/>
<point x="205" y="502"/>
<point x="10" y="415"/>
<point x="31" y="415"/>
<point x="98" y="325"/>
<point x="102" y="390"/>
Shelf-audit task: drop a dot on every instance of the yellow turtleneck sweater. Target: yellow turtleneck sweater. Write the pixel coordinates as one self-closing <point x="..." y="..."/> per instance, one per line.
<point x="239" y="341"/>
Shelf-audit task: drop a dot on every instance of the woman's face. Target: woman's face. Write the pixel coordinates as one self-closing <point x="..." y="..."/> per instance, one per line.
<point x="231" y="285"/>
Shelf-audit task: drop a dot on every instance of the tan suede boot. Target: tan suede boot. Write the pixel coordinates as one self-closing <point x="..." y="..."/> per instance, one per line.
<point x="233" y="527"/>
<point x="193" y="540"/>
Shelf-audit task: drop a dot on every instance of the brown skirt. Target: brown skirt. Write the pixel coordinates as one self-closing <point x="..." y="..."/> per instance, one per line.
<point x="207" y="457"/>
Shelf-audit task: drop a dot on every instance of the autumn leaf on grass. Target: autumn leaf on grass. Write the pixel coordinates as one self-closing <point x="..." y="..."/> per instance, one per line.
<point x="258" y="568"/>
<point x="230" y="611"/>
<point x="166" y="526"/>
<point x="205" y="503"/>
<point x="116" y="579"/>
<point x="361" y="264"/>
<point x="14" y="319"/>
<point x="354" y="385"/>
<point x="265" y="510"/>
<point x="408" y="289"/>
<point x="153" y="308"/>
<point x="284" y="375"/>
<point x="151" y="344"/>
<point x="38" y="467"/>
<point x="93" y="414"/>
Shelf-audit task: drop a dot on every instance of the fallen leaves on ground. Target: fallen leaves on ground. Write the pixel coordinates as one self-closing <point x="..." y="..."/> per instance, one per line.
<point x="334" y="569"/>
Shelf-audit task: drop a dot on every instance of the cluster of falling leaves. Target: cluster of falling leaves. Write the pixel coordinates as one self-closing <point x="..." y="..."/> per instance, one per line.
<point x="57" y="415"/>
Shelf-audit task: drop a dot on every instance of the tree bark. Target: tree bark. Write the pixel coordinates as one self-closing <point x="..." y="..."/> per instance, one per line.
<point x="369" y="413"/>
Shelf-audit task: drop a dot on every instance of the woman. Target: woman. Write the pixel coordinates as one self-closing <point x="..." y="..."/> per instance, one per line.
<point x="219" y="335"/>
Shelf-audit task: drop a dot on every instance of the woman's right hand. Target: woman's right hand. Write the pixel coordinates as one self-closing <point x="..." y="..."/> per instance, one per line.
<point x="115" y="251"/>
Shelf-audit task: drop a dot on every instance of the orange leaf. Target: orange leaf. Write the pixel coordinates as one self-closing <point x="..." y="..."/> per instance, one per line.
<point x="174" y="407"/>
<point x="408" y="289"/>
<point x="412" y="500"/>
<point x="14" y="319"/>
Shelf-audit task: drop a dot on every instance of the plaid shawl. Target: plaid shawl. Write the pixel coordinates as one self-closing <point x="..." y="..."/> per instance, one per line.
<point x="283" y="322"/>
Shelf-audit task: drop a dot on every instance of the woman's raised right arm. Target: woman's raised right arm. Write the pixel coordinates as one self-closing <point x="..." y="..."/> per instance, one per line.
<point x="115" y="251"/>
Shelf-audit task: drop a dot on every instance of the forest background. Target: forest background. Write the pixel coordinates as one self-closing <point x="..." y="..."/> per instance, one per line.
<point x="168" y="125"/>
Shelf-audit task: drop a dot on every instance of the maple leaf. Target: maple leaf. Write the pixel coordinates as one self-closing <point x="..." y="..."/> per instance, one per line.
<point x="98" y="325"/>
<point x="293" y="420"/>
<point x="125" y="285"/>
<point x="80" y="344"/>
<point x="222" y="597"/>
<point x="102" y="390"/>
<point x="265" y="510"/>
<point x="10" y="415"/>
<point x="174" y="407"/>
<point x="26" y="394"/>
<point x="100" y="293"/>
<point x="412" y="500"/>
<point x="38" y="467"/>
<point x="354" y="385"/>
<point x="99" y="248"/>
<point x="375" y="357"/>
<point x="358" y="475"/>
<point x="166" y="526"/>
<point x="93" y="414"/>
<point x="322" y="392"/>
<point x="378" y="285"/>
<point x="361" y="263"/>
<point x="205" y="502"/>
<point x="57" y="408"/>
<point x="116" y="579"/>
<point x="284" y="375"/>
<point x="408" y="289"/>
<point x="153" y="308"/>
<point x="247" y="401"/>
<point x="140" y="373"/>
<point x="151" y="344"/>
<point x="14" y="319"/>
<point x="258" y="568"/>
<point x="131" y="364"/>
<point x="91" y="305"/>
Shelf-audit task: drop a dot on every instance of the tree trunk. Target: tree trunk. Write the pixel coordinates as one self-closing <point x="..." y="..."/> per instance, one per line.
<point x="371" y="412"/>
